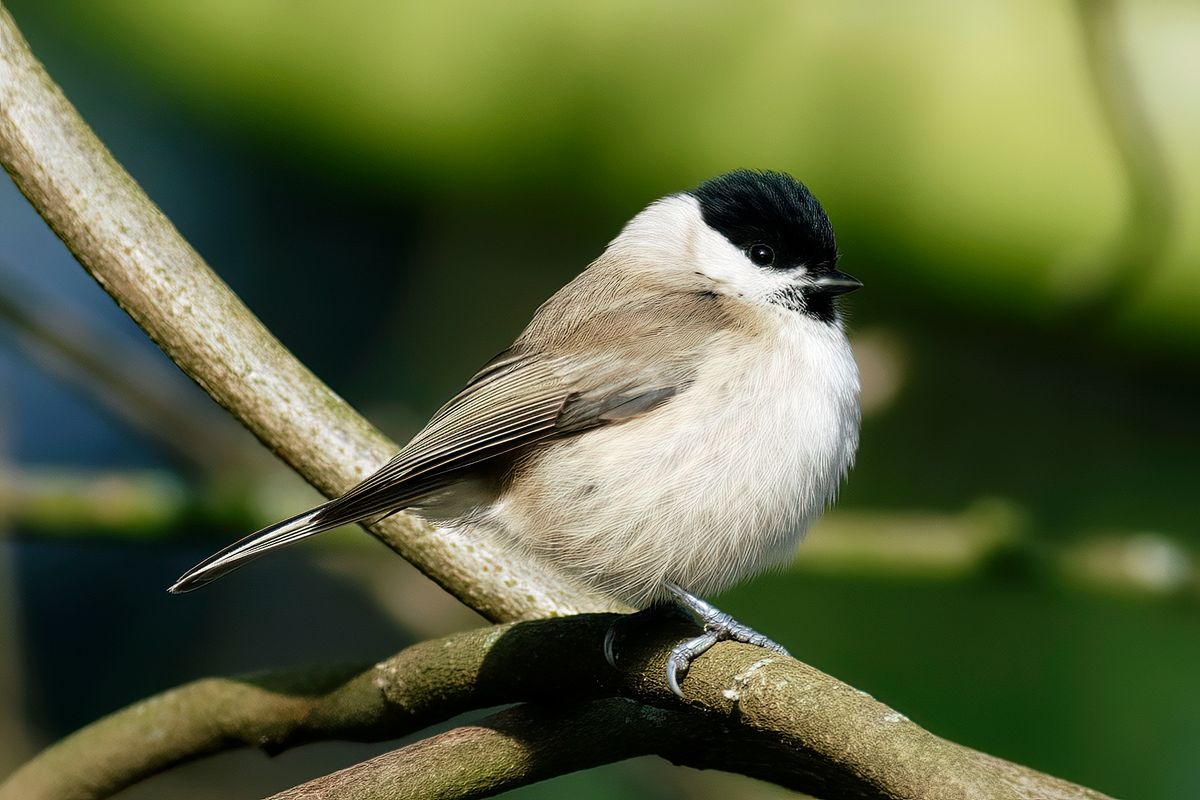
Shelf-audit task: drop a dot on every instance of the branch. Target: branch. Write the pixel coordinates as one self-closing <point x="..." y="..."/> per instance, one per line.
<point x="529" y="743"/>
<point x="769" y="717"/>
<point x="1140" y="245"/>
<point x="130" y="505"/>
<point x="144" y="391"/>
<point x="514" y="748"/>
<point x="134" y="252"/>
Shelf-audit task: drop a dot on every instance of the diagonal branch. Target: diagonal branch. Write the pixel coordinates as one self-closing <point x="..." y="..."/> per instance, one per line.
<point x="134" y="252"/>
<point x="770" y="717"/>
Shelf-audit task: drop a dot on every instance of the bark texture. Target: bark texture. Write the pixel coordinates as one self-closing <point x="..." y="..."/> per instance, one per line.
<point x="747" y="711"/>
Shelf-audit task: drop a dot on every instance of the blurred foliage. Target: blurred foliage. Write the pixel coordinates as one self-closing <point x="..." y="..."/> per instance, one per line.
<point x="965" y="137"/>
<point x="395" y="186"/>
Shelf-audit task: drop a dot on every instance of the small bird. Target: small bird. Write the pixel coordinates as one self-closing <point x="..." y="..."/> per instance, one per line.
<point x="670" y="422"/>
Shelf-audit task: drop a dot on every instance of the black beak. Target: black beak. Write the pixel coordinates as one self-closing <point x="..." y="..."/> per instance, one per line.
<point x="835" y="283"/>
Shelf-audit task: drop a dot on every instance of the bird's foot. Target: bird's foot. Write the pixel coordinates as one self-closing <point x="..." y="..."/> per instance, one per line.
<point x="718" y="626"/>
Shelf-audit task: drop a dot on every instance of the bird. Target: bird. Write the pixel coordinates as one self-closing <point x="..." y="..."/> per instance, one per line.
<point x="669" y="423"/>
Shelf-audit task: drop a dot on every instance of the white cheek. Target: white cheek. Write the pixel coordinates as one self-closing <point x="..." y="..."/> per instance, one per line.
<point x="670" y="236"/>
<point x="733" y="272"/>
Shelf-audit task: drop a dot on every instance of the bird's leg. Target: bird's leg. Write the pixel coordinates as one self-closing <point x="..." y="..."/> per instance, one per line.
<point x="718" y="626"/>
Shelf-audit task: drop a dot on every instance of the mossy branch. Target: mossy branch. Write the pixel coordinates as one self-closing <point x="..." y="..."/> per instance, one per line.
<point x="766" y="716"/>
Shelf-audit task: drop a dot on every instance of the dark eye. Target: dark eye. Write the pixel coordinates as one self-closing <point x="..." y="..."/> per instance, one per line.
<point x="761" y="254"/>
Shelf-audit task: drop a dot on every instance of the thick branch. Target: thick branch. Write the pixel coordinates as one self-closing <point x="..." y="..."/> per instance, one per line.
<point x="769" y="717"/>
<point x="134" y="252"/>
<point x="513" y="748"/>
<point x="532" y="743"/>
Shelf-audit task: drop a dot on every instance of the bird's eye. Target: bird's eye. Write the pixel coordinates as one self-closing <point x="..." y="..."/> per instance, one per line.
<point x="761" y="255"/>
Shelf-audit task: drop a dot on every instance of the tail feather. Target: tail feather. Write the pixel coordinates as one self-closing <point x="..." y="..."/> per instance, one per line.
<point x="251" y="547"/>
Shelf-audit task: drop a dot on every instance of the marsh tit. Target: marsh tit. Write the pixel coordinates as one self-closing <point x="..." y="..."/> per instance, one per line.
<point x="670" y="422"/>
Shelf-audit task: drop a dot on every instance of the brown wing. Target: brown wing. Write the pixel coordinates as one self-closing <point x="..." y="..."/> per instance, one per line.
<point x="503" y="408"/>
<point x="590" y="357"/>
<point x="527" y="400"/>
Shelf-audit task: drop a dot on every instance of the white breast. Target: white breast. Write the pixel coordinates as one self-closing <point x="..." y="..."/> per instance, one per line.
<point x="719" y="483"/>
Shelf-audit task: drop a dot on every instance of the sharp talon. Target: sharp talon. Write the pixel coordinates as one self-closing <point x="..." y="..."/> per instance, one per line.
<point x="718" y="626"/>
<point x="610" y="638"/>
<point x="673" y="679"/>
<point x="682" y="656"/>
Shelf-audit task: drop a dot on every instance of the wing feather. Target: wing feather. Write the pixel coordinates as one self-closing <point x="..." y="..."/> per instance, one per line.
<point x="505" y="409"/>
<point x="507" y="406"/>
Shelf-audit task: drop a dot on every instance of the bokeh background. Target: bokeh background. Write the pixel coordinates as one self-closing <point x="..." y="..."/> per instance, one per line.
<point x="394" y="187"/>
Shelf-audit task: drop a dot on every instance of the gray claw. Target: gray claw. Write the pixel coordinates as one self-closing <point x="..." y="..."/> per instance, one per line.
<point x="682" y="656"/>
<point x="610" y="638"/>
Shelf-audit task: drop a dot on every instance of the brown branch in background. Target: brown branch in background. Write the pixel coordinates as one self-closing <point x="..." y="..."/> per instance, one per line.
<point x="761" y="715"/>
<point x="125" y="505"/>
<point x="1140" y="245"/>
<point x="932" y="546"/>
<point x="17" y="746"/>
<point x="138" y="257"/>
<point x="143" y="391"/>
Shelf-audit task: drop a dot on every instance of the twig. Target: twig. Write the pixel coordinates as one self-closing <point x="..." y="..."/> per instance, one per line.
<point x="12" y="657"/>
<point x="769" y="717"/>
<point x="138" y="505"/>
<point x="143" y="391"/>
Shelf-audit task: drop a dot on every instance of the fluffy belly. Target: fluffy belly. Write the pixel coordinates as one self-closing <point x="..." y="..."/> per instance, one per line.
<point x="719" y="483"/>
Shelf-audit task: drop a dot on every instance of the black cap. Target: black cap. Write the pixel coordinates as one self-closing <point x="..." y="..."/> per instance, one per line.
<point x="773" y="208"/>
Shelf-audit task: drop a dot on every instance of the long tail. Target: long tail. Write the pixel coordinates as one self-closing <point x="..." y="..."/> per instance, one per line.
<point x="251" y="547"/>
